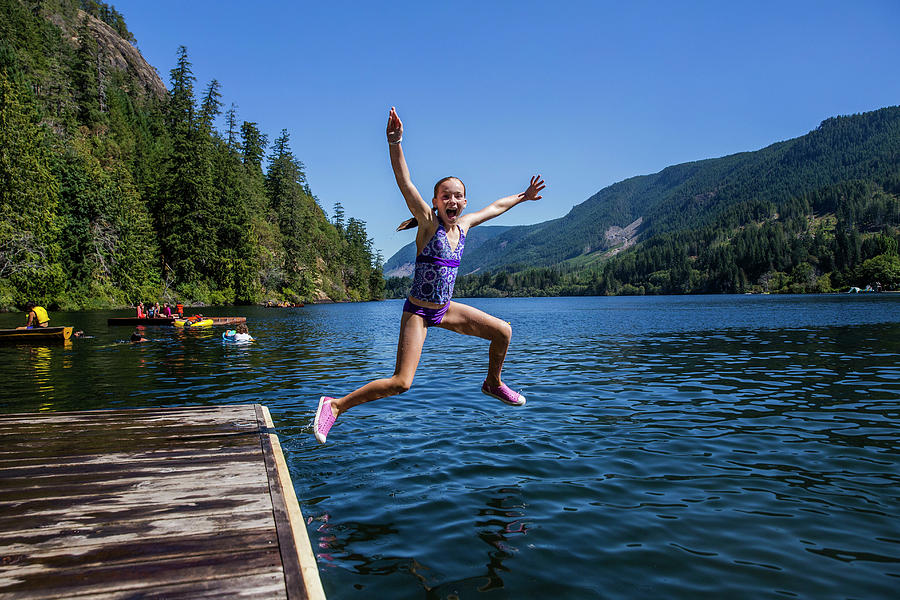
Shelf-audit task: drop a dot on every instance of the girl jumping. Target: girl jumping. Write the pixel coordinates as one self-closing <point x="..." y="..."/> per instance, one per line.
<point x="440" y="240"/>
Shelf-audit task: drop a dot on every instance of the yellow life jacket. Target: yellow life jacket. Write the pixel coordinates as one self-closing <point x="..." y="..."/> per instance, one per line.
<point x="41" y="314"/>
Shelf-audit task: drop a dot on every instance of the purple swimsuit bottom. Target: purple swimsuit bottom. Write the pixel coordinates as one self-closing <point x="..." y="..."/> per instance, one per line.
<point x="432" y="316"/>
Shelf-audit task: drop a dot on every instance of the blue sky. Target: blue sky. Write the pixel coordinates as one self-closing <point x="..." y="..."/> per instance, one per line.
<point x="585" y="93"/>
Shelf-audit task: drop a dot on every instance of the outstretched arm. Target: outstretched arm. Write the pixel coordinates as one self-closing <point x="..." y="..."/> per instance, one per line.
<point x="498" y="207"/>
<point x="417" y="206"/>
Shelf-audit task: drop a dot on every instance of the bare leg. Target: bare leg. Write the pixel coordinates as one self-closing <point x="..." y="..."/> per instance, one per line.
<point x="409" y="350"/>
<point x="462" y="318"/>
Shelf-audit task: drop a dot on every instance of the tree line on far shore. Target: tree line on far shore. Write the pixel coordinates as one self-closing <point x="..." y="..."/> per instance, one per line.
<point x="829" y="241"/>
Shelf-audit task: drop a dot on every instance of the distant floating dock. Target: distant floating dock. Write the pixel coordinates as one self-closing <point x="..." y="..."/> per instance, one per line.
<point x="228" y="320"/>
<point x="162" y="503"/>
<point x="167" y="321"/>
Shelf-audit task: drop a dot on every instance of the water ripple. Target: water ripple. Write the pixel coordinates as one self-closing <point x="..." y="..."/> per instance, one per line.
<point x="670" y="447"/>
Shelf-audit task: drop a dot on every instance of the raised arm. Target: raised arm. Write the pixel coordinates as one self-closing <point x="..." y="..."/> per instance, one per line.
<point x="417" y="206"/>
<point x="498" y="207"/>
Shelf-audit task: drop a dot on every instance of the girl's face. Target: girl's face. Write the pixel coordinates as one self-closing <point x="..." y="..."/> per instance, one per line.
<point x="450" y="200"/>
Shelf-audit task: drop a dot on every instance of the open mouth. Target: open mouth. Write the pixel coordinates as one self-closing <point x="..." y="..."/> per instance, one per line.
<point x="452" y="212"/>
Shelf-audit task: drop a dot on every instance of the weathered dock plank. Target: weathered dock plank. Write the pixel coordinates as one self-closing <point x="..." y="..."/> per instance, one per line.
<point x="228" y="320"/>
<point x="175" y="503"/>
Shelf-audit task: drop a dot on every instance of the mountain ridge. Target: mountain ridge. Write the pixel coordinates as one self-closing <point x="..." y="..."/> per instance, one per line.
<point x="718" y="193"/>
<point x="623" y="202"/>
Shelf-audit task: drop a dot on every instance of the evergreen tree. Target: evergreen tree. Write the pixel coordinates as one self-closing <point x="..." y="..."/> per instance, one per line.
<point x="29" y="219"/>
<point x="285" y="184"/>
<point x="253" y="144"/>
<point x="231" y="135"/>
<point x="237" y="273"/>
<point x="210" y="108"/>
<point x="339" y="216"/>
<point x="84" y="77"/>
<point x="186" y="209"/>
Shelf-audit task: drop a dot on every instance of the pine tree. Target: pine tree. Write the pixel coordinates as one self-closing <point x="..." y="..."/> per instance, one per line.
<point x="253" y="144"/>
<point x="237" y="264"/>
<point x="185" y="214"/>
<point x="29" y="219"/>
<point x="285" y="184"/>
<point x="84" y="77"/>
<point x="231" y="134"/>
<point x="339" y="216"/>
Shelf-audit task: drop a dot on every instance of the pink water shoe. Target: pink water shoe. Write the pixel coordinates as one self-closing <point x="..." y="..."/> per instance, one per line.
<point x="324" y="419"/>
<point x="503" y="393"/>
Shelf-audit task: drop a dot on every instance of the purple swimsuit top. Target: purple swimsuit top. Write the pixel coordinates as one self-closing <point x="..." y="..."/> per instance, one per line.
<point x="436" y="268"/>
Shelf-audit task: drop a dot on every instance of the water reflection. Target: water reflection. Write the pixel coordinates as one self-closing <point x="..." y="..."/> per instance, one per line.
<point x="497" y="530"/>
<point x="501" y="524"/>
<point x="334" y="539"/>
<point x="41" y="367"/>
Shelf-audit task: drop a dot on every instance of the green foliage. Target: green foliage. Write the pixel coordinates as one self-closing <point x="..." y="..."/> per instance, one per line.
<point x="883" y="269"/>
<point x="108" y="232"/>
<point x="29" y="202"/>
<point x="111" y="195"/>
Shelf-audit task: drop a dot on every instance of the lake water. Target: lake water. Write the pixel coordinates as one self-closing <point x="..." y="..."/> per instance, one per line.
<point x="671" y="447"/>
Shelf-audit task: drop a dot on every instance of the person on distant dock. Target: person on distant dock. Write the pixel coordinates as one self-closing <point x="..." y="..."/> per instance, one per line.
<point x="167" y="310"/>
<point x="440" y="240"/>
<point x="36" y="316"/>
<point x="140" y="311"/>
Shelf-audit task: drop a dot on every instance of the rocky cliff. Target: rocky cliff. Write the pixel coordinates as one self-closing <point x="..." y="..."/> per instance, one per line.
<point x="115" y="54"/>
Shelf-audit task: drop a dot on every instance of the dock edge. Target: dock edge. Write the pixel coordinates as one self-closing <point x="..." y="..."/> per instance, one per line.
<point x="291" y="528"/>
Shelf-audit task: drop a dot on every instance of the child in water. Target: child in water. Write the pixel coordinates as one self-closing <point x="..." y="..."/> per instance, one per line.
<point x="440" y="240"/>
<point x="137" y="337"/>
<point x="240" y="334"/>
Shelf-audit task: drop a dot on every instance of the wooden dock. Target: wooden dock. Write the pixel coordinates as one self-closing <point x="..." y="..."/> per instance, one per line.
<point x="150" y="503"/>
<point x="167" y="321"/>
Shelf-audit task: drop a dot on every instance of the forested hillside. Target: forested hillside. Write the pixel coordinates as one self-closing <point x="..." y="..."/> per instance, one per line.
<point x="814" y="214"/>
<point x="114" y="188"/>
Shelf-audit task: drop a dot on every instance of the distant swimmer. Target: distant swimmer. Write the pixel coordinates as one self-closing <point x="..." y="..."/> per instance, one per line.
<point x="137" y="337"/>
<point x="440" y="240"/>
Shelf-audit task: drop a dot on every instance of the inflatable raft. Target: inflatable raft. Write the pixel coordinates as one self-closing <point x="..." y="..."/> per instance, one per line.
<point x="190" y="323"/>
